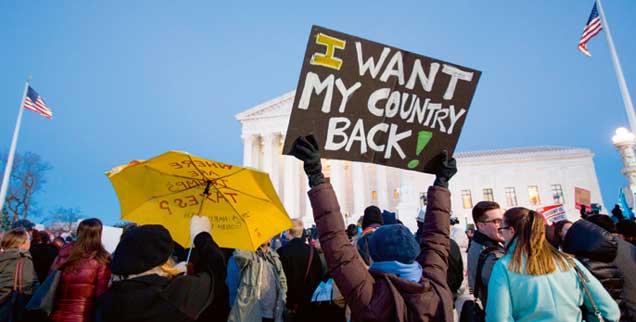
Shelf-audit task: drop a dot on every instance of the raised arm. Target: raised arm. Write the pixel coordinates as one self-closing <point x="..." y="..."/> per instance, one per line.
<point x="435" y="237"/>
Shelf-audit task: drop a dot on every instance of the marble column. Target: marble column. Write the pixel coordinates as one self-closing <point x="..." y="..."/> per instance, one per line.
<point x="250" y="142"/>
<point x="337" y="179"/>
<point x="625" y="141"/>
<point x="360" y="189"/>
<point x="308" y="217"/>
<point x="291" y="187"/>
<point x="381" y="187"/>
<point x="407" y="207"/>
<point x="270" y="156"/>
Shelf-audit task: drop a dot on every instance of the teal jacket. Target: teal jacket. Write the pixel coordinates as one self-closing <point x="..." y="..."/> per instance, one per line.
<point x="550" y="297"/>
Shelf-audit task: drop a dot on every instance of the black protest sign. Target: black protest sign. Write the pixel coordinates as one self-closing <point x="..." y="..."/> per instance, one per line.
<point x="369" y="102"/>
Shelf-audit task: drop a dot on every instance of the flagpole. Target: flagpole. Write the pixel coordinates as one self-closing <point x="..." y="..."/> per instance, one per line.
<point x="9" y="166"/>
<point x="629" y="108"/>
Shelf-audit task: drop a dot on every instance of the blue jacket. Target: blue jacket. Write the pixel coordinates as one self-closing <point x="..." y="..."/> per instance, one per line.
<point x="550" y="297"/>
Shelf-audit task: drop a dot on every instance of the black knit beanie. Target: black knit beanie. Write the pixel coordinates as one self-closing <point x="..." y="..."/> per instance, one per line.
<point x="140" y="249"/>
<point x="372" y="215"/>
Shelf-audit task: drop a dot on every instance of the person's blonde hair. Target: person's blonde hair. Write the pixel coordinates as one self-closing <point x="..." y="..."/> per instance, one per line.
<point x="166" y="269"/>
<point x="532" y="246"/>
<point x="14" y="238"/>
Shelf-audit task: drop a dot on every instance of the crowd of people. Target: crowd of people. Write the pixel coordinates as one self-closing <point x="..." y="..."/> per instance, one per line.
<point x="517" y="268"/>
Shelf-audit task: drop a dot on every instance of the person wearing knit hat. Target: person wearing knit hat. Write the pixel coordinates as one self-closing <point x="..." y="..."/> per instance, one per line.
<point x="149" y="287"/>
<point x="141" y="249"/>
<point x="372" y="216"/>
<point x="389" y="218"/>
<point x="393" y="248"/>
<point x="392" y="290"/>
<point x="371" y="220"/>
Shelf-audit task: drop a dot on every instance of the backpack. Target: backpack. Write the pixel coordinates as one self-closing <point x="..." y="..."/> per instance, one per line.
<point x="475" y="310"/>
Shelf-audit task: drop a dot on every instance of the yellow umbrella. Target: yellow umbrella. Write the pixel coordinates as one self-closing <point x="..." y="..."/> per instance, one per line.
<point x="169" y="189"/>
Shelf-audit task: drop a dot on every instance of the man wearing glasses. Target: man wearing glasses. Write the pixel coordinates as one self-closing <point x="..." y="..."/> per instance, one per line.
<point x="487" y="243"/>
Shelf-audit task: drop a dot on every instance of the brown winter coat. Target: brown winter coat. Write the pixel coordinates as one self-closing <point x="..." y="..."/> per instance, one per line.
<point x="377" y="296"/>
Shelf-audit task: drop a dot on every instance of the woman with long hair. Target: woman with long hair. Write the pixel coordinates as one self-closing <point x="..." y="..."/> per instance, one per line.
<point x="85" y="274"/>
<point x="14" y="253"/>
<point x="536" y="282"/>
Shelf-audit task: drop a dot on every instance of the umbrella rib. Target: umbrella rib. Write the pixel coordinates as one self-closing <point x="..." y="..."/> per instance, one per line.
<point x="157" y="197"/>
<point x="197" y="168"/>
<point x="169" y="174"/>
<point x="217" y="178"/>
<point x="246" y="194"/>
<point x="172" y="193"/>
<point x="230" y="174"/>
<point x="242" y="219"/>
<point x="230" y="204"/>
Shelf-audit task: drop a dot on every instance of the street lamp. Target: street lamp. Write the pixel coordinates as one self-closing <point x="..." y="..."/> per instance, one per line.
<point x="625" y="141"/>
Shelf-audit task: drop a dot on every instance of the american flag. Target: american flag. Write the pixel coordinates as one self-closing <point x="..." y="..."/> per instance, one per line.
<point x="34" y="102"/>
<point x="592" y="28"/>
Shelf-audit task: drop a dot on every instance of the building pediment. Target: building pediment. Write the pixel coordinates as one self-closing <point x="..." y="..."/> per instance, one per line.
<point x="277" y="107"/>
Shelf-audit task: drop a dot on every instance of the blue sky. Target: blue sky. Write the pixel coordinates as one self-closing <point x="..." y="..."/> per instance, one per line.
<point x="132" y="79"/>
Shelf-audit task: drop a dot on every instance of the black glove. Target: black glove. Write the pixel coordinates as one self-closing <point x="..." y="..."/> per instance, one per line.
<point x="447" y="167"/>
<point x="618" y="213"/>
<point x="306" y="149"/>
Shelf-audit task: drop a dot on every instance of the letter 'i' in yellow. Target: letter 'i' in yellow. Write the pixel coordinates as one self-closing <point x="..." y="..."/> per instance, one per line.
<point x="328" y="59"/>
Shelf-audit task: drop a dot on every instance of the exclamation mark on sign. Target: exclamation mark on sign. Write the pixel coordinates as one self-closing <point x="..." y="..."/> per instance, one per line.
<point x="423" y="137"/>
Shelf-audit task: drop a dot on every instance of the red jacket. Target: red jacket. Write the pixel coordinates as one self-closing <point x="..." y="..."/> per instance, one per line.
<point x="78" y="288"/>
<point x="378" y="296"/>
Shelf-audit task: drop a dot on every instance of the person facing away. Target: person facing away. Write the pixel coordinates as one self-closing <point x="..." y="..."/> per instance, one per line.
<point x="455" y="275"/>
<point x="149" y="287"/>
<point x="257" y="286"/>
<point x="371" y="221"/>
<point x="58" y="242"/>
<point x="535" y="282"/>
<point x="352" y="233"/>
<point x="303" y="270"/>
<point x="14" y="248"/>
<point x="610" y="259"/>
<point x="407" y="280"/>
<point x="85" y="274"/>
<point x="486" y="241"/>
<point x="43" y="254"/>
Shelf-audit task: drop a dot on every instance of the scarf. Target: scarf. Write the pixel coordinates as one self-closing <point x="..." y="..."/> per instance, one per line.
<point x="410" y="272"/>
<point x="370" y="229"/>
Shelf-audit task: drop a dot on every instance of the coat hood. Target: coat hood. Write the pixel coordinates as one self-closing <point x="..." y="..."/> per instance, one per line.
<point x="406" y="294"/>
<point x="587" y="240"/>
<point x="132" y="298"/>
<point x="145" y="297"/>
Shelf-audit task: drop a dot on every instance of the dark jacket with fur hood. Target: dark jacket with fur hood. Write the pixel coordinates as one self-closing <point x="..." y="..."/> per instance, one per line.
<point x="611" y="260"/>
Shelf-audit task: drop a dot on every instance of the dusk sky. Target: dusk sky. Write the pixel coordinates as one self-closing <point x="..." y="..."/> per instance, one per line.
<point x="132" y="79"/>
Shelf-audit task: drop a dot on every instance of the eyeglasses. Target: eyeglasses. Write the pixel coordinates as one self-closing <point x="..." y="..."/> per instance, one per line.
<point x="500" y="229"/>
<point x="495" y="221"/>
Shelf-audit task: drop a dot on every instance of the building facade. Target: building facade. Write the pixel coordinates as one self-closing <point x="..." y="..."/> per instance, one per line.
<point x="528" y="177"/>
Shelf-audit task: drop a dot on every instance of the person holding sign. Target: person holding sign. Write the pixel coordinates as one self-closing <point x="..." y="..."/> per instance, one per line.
<point x="407" y="281"/>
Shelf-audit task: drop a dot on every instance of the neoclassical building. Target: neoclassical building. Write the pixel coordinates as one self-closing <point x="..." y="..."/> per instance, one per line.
<point x="531" y="177"/>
